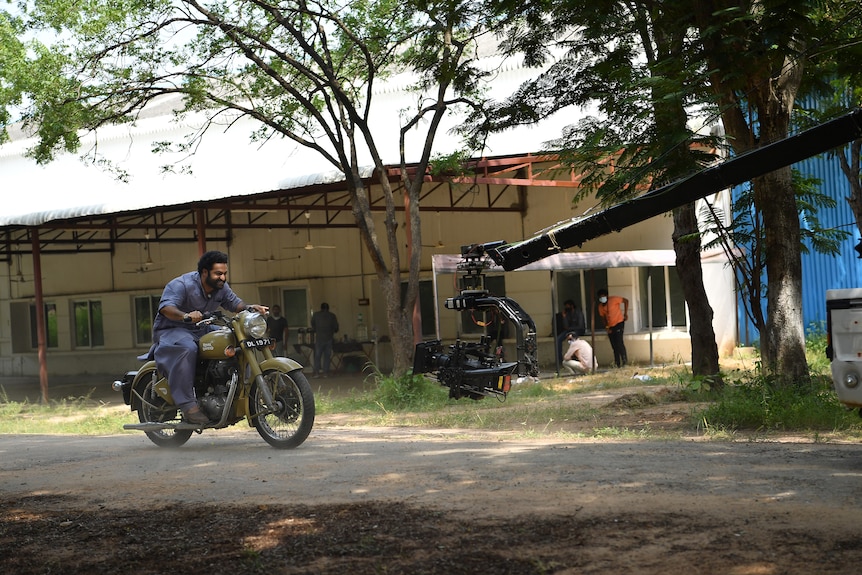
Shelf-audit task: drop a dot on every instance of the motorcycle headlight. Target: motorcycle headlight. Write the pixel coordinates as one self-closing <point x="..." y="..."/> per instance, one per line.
<point x="254" y="325"/>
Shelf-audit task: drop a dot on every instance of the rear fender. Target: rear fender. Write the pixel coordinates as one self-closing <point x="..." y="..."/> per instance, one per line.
<point x="138" y="385"/>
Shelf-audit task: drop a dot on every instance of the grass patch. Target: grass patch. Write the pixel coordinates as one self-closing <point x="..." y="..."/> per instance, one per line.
<point x="753" y="401"/>
<point x="749" y="404"/>
<point x="531" y="409"/>
<point x="620" y="433"/>
<point x="757" y="402"/>
<point x="76" y="416"/>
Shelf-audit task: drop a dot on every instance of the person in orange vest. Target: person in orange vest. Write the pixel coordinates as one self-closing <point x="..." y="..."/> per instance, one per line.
<point x="614" y="310"/>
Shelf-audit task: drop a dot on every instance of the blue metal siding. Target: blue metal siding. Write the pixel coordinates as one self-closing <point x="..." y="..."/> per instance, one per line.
<point x="821" y="272"/>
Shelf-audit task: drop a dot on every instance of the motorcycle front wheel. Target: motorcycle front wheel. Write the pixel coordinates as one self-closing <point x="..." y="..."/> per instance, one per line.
<point x="291" y="422"/>
<point x="154" y="409"/>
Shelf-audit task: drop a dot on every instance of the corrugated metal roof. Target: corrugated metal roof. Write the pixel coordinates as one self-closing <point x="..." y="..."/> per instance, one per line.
<point x="821" y="272"/>
<point x="226" y="163"/>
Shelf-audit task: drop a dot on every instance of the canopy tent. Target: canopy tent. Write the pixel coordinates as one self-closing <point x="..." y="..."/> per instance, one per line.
<point x="448" y="263"/>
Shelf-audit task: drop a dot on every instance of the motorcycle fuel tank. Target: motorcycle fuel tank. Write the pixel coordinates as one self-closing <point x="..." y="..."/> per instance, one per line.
<point x="213" y="344"/>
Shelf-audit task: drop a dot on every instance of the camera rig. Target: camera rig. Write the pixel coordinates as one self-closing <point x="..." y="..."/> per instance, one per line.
<point x="478" y="369"/>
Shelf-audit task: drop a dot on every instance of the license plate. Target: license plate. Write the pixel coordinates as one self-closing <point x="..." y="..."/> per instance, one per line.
<point x="262" y="342"/>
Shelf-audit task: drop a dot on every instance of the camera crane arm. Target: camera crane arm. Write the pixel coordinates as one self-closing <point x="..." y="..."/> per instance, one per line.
<point x="806" y="144"/>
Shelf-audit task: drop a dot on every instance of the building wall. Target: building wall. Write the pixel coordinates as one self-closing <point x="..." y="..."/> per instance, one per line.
<point x="342" y="277"/>
<point x="821" y="272"/>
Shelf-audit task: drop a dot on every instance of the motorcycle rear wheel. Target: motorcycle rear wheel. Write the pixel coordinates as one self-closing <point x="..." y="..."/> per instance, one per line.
<point x="154" y="409"/>
<point x="290" y="425"/>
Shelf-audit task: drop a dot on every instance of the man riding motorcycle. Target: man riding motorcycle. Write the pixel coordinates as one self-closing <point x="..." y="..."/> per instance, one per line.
<point x="175" y="334"/>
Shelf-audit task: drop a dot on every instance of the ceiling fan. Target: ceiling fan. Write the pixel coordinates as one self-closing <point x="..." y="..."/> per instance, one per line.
<point x="145" y="265"/>
<point x="19" y="277"/>
<point x="439" y="245"/>
<point x="273" y="259"/>
<point x="308" y="245"/>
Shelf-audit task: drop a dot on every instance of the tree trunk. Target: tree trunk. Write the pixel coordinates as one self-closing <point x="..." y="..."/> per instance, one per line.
<point x="686" y="244"/>
<point x="783" y="342"/>
<point x="671" y="121"/>
<point x="769" y="83"/>
<point x="850" y="165"/>
<point x="399" y="315"/>
<point x="783" y="348"/>
<point x="400" y="330"/>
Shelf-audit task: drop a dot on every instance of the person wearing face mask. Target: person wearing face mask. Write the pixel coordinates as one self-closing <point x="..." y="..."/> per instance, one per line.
<point x="614" y="310"/>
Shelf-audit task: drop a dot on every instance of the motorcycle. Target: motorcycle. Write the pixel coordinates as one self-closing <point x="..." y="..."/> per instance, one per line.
<point x="236" y="378"/>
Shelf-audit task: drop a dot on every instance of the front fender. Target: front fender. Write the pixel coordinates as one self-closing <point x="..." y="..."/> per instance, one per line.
<point x="281" y="363"/>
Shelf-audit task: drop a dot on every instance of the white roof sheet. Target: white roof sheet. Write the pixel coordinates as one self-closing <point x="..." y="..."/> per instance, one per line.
<point x="225" y="164"/>
<point x="447" y="263"/>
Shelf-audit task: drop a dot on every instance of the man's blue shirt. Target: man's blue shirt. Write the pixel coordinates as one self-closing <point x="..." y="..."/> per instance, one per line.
<point x="187" y="294"/>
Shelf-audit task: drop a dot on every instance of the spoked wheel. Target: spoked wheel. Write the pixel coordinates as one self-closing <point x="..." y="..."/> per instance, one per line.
<point x="293" y="419"/>
<point x="154" y="409"/>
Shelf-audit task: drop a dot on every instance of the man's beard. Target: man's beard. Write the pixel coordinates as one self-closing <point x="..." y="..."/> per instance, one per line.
<point x="214" y="283"/>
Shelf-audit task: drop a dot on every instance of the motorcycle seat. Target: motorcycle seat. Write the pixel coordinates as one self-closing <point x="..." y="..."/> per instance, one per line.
<point x="150" y="355"/>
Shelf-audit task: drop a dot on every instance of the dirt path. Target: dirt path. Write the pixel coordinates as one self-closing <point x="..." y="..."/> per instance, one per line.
<point x="422" y="501"/>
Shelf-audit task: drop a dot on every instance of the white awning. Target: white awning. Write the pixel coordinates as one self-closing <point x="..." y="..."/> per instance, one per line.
<point x="448" y="263"/>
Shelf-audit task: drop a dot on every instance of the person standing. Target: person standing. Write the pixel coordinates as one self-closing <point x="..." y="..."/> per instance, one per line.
<point x="278" y="329"/>
<point x="579" y="358"/>
<point x="614" y="310"/>
<point x="324" y="324"/>
<point x="175" y="335"/>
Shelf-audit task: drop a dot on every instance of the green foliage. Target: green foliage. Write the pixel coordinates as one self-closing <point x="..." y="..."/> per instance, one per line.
<point x="744" y="239"/>
<point x="12" y="68"/>
<point x="304" y="72"/>
<point x="535" y="390"/>
<point x="635" y="66"/>
<point x="406" y="391"/>
<point x="746" y="228"/>
<point x="759" y="402"/>
<point x="454" y="163"/>
<point x="815" y="349"/>
<point x="752" y="400"/>
<point x="702" y="384"/>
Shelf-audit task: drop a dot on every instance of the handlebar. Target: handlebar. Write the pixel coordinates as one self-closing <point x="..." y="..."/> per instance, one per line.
<point x="210" y="317"/>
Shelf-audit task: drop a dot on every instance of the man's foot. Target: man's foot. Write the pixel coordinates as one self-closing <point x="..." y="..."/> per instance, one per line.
<point x="196" y="416"/>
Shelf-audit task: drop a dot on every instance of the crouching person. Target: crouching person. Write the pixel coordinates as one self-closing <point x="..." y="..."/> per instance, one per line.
<point x="579" y="358"/>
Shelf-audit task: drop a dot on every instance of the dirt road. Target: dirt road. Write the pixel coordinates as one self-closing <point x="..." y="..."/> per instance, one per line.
<point x="455" y="503"/>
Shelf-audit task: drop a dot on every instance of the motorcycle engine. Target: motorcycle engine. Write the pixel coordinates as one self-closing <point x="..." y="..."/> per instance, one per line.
<point x="219" y="375"/>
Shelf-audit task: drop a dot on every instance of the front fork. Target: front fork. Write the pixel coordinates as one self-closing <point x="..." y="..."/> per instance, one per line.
<point x="256" y="369"/>
<point x="256" y="373"/>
